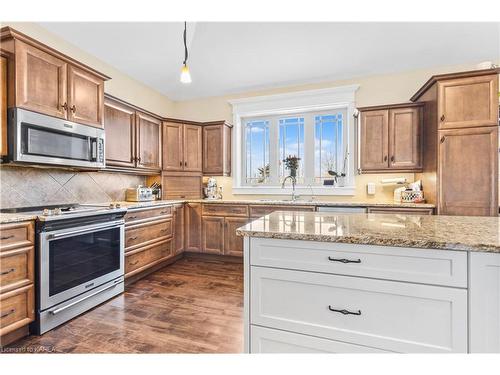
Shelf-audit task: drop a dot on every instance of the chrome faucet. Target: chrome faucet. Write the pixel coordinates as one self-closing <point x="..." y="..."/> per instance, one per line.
<point x="294" y="182"/>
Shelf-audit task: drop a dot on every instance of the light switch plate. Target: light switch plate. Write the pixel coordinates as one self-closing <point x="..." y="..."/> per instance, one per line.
<point x="370" y="188"/>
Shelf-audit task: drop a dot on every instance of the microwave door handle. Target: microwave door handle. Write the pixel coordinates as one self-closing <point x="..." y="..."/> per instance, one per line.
<point x="93" y="146"/>
<point x="82" y="231"/>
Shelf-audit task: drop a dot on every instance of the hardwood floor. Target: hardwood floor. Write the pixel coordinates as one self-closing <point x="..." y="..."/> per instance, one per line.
<point x="192" y="306"/>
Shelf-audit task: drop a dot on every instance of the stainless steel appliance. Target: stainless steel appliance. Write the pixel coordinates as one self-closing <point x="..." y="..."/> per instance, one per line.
<point x="79" y="260"/>
<point x="139" y="194"/>
<point x="40" y="139"/>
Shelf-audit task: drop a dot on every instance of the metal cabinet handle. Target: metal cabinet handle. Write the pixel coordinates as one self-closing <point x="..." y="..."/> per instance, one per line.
<point x="385" y="158"/>
<point x="442" y="118"/>
<point x="392" y="158"/>
<point x="65" y="106"/>
<point x="7" y="272"/>
<point x="6" y="237"/>
<point x="132" y="238"/>
<point x="180" y="164"/>
<point x="185" y="164"/>
<point x="163" y="230"/>
<point x="164" y="212"/>
<point x="344" y="311"/>
<point x="134" y="263"/>
<point x="132" y="217"/>
<point x="73" y="108"/>
<point x="343" y="260"/>
<point x="6" y="314"/>
<point x="443" y="139"/>
<point x="138" y="159"/>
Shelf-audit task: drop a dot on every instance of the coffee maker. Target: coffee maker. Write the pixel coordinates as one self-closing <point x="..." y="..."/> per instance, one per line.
<point x="212" y="191"/>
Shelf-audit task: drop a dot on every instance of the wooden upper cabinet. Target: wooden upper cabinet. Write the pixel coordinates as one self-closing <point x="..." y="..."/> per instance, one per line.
<point x="119" y="124"/>
<point x="468" y="172"/>
<point x="173" y="156"/>
<point x="217" y="149"/>
<point x="468" y="102"/>
<point x="390" y="138"/>
<point x="148" y="145"/>
<point x="374" y="138"/>
<point x="46" y="81"/>
<point x="85" y="97"/>
<point x="405" y="138"/>
<point x="193" y="148"/>
<point x="3" y="106"/>
<point x="212" y="234"/>
<point x="41" y="81"/>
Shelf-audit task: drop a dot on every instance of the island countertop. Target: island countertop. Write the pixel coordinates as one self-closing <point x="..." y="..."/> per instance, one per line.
<point x="465" y="233"/>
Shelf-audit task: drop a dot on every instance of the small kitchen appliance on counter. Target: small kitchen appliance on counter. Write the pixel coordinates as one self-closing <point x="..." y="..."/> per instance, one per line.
<point x="212" y="192"/>
<point x="139" y="194"/>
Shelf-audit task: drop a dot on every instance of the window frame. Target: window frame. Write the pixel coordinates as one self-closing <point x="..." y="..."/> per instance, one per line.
<point x="304" y="103"/>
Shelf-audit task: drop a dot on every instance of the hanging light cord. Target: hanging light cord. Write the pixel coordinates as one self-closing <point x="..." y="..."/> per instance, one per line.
<point x="185" y="45"/>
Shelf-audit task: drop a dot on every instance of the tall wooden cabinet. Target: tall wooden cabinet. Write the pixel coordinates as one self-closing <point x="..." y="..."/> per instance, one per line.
<point x="183" y="147"/>
<point x="390" y="138"/>
<point x="46" y="81"/>
<point x="217" y="148"/>
<point x="133" y="138"/>
<point x="460" y="169"/>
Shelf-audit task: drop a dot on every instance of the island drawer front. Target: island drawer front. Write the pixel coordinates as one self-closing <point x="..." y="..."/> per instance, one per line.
<point x="147" y="214"/>
<point x="145" y="233"/>
<point x="16" y="235"/>
<point x="426" y="266"/>
<point x="266" y="340"/>
<point x="213" y="209"/>
<point x="388" y="315"/>
<point x="262" y="210"/>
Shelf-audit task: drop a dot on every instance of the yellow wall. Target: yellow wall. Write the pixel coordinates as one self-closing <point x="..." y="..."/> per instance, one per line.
<point x="120" y="84"/>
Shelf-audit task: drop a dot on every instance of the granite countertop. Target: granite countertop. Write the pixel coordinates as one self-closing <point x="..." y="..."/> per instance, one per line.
<point x="466" y="233"/>
<point x="313" y="203"/>
<point x="132" y="205"/>
<point x="15" y="218"/>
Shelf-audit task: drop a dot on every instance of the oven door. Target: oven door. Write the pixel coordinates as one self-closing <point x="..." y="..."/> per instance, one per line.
<point x="73" y="261"/>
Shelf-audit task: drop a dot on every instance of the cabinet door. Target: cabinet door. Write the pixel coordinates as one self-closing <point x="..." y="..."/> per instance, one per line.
<point x="192" y="227"/>
<point x="3" y="106"/>
<point x="119" y="123"/>
<point x="85" y="97"/>
<point x="192" y="148"/>
<point x="468" y="172"/>
<point x="374" y="140"/>
<point x="468" y="102"/>
<point x="212" y="234"/>
<point x="213" y="150"/>
<point x="178" y="229"/>
<point x="148" y="133"/>
<point x="173" y="159"/>
<point x="484" y="300"/>
<point x="41" y="81"/>
<point x="404" y="138"/>
<point x="233" y="244"/>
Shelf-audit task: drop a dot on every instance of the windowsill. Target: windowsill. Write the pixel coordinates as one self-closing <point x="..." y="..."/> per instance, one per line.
<point x="277" y="190"/>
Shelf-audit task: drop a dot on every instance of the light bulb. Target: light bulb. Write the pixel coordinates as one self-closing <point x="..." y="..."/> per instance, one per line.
<point x="185" y="75"/>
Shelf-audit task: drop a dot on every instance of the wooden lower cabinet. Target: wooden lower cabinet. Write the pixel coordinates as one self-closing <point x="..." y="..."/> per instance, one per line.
<point x="233" y="244"/>
<point x="146" y="257"/>
<point x="17" y="265"/>
<point x="192" y="231"/>
<point x="178" y="242"/>
<point x="212" y="234"/>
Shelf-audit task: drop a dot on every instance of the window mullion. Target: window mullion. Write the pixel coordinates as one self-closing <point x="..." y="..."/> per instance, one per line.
<point x="273" y="151"/>
<point x="308" y="148"/>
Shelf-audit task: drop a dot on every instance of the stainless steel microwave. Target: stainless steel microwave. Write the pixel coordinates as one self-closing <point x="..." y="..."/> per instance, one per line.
<point x="40" y="139"/>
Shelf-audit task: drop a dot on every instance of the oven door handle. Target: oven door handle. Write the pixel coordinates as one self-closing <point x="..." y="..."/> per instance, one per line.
<point x="82" y="231"/>
<point x="61" y="309"/>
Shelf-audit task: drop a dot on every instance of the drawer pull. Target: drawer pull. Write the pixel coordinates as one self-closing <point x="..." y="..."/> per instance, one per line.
<point x="163" y="230"/>
<point x="132" y="238"/>
<point x="342" y="260"/>
<point x="134" y="263"/>
<point x="6" y="237"/>
<point x="6" y="314"/>
<point x="7" y="272"/>
<point x="164" y="212"/>
<point x="132" y="217"/>
<point x="344" y="312"/>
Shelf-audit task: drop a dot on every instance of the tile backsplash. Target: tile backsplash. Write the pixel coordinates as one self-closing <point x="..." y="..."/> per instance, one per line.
<point x="25" y="186"/>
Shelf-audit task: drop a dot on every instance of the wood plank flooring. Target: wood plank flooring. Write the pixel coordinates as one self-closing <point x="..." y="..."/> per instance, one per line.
<point x="192" y="306"/>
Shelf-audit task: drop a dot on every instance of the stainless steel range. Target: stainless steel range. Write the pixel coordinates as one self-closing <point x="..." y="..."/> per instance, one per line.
<point x="79" y="260"/>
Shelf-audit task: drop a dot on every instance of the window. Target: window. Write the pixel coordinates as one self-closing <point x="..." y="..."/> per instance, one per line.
<point x="318" y="139"/>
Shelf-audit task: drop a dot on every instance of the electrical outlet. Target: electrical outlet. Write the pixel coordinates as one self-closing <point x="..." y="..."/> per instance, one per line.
<point x="370" y="188"/>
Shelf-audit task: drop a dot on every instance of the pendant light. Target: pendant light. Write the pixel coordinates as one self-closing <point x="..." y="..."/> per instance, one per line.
<point x="185" y="75"/>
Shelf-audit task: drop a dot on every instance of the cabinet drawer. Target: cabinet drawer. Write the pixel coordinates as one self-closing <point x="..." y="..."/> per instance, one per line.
<point x="146" y="233"/>
<point x="16" y="309"/>
<point x="389" y="315"/>
<point x="147" y="214"/>
<point x="439" y="267"/>
<point x="143" y="258"/>
<point x="16" y="268"/>
<point x="225" y="210"/>
<point x="16" y="235"/>
<point x="266" y="340"/>
<point x="262" y="210"/>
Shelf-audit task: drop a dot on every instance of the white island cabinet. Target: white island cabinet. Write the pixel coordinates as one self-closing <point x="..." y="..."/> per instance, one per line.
<point x="310" y="287"/>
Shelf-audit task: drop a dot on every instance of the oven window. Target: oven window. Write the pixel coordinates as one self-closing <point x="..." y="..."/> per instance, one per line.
<point x="45" y="142"/>
<point x="79" y="259"/>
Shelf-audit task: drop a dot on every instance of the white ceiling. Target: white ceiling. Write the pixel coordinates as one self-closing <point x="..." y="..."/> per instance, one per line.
<point x="226" y="57"/>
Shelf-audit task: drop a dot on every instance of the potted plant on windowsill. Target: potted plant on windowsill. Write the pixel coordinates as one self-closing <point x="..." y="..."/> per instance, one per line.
<point x="292" y="163"/>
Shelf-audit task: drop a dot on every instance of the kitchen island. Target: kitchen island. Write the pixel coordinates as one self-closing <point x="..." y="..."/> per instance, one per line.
<point x="323" y="282"/>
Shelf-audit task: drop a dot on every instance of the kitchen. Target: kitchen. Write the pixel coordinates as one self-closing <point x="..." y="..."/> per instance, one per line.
<point x="220" y="216"/>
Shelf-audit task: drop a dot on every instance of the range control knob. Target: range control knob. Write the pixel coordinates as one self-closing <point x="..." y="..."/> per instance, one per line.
<point x="47" y="212"/>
